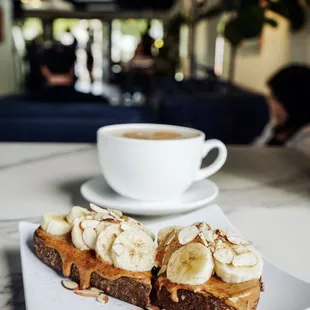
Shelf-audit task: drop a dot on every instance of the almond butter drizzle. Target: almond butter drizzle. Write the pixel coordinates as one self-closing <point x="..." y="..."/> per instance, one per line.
<point x="249" y="291"/>
<point x="86" y="261"/>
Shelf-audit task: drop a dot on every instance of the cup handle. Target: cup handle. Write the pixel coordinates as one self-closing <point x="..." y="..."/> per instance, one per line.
<point x="217" y="164"/>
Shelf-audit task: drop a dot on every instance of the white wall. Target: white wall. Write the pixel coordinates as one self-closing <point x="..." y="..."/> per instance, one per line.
<point x="301" y="44"/>
<point x="254" y="68"/>
<point x="6" y="58"/>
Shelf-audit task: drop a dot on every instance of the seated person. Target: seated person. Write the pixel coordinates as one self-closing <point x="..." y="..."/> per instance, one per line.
<point x="57" y="66"/>
<point x="143" y="60"/>
<point x="289" y="106"/>
<point x="139" y="69"/>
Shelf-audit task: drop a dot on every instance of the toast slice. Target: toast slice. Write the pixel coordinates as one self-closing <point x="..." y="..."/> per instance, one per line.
<point x="172" y="296"/>
<point x="84" y="266"/>
<point x="206" y="269"/>
<point x="132" y="288"/>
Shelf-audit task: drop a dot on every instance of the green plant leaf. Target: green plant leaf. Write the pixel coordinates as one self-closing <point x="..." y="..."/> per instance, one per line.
<point x="251" y="20"/>
<point x="271" y="22"/>
<point x="292" y="10"/>
<point x="232" y="32"/>
<point x="247" y="24"/>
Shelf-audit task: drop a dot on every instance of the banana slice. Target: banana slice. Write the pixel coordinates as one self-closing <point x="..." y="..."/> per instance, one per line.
<point x="90" y="237"/>
<point x="77" y="237"/>
<point x="129" y="225"/>
<point x="77" y="212"/>
<point x="55" y="224"/>
<point x="133" y="250"/>
<point x="105" y="240"/>
<point x="241" y="268"/>
<point x="191" y="264"/>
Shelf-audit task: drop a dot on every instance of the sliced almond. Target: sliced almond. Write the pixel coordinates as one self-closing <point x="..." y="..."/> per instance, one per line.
<point x="219" y="244"/>
<point x="97" y="209"/>
<point x="188" y="234"/>
<point x="69" y="285"/>
<point x="87" y="293"/>
<point x="162" y="270"/>
<point x="102" y="226"/>
<point x="237" y="240"/>
<point x="203" y="239"/>
<point x="89" y="223"/>
<point x="130" y="219"/>
<point x="209" y="235"/>
<point x="171" y="237"/>
<point x="90" y="237"/>
<point x="98" y="216"/>
<point x="221" y="232"/>
<point x="103" y="298"/>
<point x="224" y="256"/>
<point x="164" y="233"/>
<point x="115" y="217"/>
<point x="119" y="249"/>
<point x="204" y="226"/>
<point x="245" y="260"/>
<point x="107" y="217"/>
<point x="239" y="249"/>
<point x="116" y="213"/>
<point x="96" y="290"/>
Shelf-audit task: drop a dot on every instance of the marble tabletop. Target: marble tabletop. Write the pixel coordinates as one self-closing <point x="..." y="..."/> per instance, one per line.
<point x="265" y="192"/>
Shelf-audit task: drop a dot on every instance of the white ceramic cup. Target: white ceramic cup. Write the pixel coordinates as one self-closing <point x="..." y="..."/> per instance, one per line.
<point x="155" y="169"/>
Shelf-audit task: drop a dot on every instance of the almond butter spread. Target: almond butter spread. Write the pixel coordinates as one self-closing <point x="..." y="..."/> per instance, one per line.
<point x="239" y="295"/>
<point x="86" y="261"/>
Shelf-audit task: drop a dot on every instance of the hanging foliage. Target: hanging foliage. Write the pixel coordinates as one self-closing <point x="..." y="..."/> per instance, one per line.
<point x="248" y="16"/>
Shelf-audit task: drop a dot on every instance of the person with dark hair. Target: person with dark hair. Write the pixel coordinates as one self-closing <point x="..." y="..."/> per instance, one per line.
<point x="140" y="68"/>
<point x="289" y="105"/>
<point x="57" y="66"/>
<point x="143" y="60"/>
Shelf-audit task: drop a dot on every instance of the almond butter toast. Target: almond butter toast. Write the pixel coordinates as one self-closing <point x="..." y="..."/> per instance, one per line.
<point x="206" y="269"/>
<point x="99" y="248"/>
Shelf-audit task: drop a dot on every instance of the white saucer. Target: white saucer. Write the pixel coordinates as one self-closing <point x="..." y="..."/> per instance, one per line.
<point x="98" y="192"/>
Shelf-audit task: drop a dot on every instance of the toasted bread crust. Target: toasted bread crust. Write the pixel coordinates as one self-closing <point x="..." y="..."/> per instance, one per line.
<point x="190" y="300"/>
<point x="193" y="301"/>
<point x="124" y="288"/>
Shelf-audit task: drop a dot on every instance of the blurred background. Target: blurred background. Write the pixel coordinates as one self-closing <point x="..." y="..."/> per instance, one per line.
<point x="206" y="64"/>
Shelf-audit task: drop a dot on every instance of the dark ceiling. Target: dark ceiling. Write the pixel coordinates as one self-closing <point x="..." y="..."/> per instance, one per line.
<point x="146" y="4"/>
<point x="131" y="4"/>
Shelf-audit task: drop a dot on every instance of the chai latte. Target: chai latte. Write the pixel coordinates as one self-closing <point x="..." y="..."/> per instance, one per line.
<point x="156" y="135"/>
